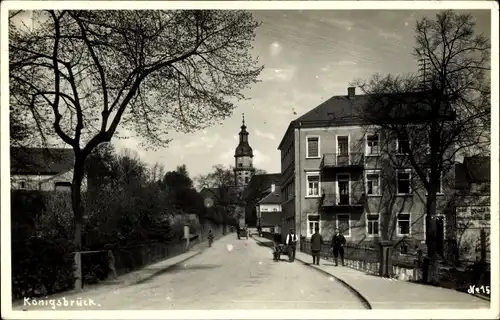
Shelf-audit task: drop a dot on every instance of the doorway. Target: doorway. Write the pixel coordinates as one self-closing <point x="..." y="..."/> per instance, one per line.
<point x="343" y="189"/>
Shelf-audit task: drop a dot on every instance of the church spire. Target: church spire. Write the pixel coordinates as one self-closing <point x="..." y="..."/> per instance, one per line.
<point x="243" y="148"/>
<point x="243" y="126"/>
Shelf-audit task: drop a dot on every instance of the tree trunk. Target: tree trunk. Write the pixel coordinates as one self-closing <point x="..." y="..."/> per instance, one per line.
<point x="431" y="230"/>
<point x="76" y="202"/>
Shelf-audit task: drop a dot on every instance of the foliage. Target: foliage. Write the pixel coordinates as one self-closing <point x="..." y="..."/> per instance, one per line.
<point x="78" y="75"/>
<point x="442" y="112"/>
<point x="41" y="264"/>
<point x="125" y="208"/>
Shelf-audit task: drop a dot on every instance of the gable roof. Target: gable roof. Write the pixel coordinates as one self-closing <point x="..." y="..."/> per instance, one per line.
<point x="273" y="197"/>
<point x="41" y="160"/>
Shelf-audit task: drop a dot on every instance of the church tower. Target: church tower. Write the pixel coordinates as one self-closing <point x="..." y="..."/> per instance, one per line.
<point x="243" y="157"/>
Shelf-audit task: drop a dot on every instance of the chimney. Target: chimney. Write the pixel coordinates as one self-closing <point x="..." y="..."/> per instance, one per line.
<point x="273" y="187"/>
<point x="351" y="92"/>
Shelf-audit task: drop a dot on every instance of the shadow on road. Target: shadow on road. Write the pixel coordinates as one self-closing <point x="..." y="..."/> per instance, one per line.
<point x="175" y="269"/>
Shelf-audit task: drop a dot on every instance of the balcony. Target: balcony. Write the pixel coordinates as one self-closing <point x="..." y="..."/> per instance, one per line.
<point x="342" y="200"/>
<point x="342" y="160"/>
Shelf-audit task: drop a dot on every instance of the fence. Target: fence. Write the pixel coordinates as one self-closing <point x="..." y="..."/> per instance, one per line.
<point x="409" y="266"/>
<point x="41" y="266"/>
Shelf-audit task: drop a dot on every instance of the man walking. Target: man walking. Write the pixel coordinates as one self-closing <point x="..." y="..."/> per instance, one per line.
<point x="291" y="242"/>
<point x="316" y="243"/>
<point x="338" y="242"/>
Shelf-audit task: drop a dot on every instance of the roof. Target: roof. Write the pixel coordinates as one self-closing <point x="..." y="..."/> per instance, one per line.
<point x="243" y="148"/>
<point x="41" y="160"/>
<point x="475" y="169"/>
<point x="273" y="197"/>
<point x="344" y="110"/>
<point x="260" y="183"/>
<point x="478" y="168"/>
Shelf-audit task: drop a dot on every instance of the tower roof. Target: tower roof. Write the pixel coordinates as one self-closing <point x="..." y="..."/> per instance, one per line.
<point x="243" y="148"/>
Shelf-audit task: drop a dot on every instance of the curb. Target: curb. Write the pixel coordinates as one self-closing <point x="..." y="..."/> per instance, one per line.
<point x="364" y="301"/>
<point x="160" y="271"/>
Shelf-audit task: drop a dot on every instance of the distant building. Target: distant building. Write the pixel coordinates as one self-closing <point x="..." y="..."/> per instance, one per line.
<point x="471" y="209"/>
<point x="42" y="169"/>
<point x="337" y="172"/>
<point x="243" y="171"/>
<point x="258" y="188"/>
<point x="269" y="213"/>
<point x="243" y="160"/>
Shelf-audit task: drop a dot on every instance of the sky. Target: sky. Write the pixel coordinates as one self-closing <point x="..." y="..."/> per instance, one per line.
<point x="309" y="56"/>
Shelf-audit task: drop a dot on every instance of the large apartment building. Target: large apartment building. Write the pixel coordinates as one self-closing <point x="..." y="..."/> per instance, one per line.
<point x="338" y="172"/>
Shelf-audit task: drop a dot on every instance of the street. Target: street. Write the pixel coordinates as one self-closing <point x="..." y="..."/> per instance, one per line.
<point x="232" y="274"/>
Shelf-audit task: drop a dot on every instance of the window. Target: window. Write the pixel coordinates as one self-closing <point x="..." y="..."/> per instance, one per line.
<point x="402" y="145"/>
<point x="372" y="183"/>
<point x="440" y="183"/>
<point x="246" y="179"/>
<point x="240" y="164"/>
<point x="313" y="185"/>
<point x="403" y="181"/>
<point x="343" y="145"/>
<point x="344" y="224"/>
<point x="22" y="184"/>
<point x="275" y="209"/>
<point x="372" y="224"/>
<point x="312" y="148"/>
<point x="372" y="145"/>
<point x="312" y="222"/>
<point x="403" y="224"/>
<point x="403" y="249"/>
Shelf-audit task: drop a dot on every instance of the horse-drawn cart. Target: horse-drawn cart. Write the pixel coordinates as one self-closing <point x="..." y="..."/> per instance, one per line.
<point x="279" y="250"/>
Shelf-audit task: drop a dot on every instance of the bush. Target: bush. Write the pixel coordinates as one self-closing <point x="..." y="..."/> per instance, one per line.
<point x="41" y="266"/>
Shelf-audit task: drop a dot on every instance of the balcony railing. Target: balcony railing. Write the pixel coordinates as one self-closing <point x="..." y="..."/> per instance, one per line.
<point x="342" y="160"/>
<point x="340" y="200"/>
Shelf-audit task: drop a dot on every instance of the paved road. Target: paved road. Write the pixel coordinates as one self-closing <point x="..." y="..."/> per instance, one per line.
<point x="233" y="274"/>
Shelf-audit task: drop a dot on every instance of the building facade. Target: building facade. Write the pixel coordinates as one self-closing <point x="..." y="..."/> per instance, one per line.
<point x="258" y="188"/>
<point x="470" y="212"/>
<point x="337" y="172"/>
<point x="41" y="169"/>
<point x="269" y="213"/>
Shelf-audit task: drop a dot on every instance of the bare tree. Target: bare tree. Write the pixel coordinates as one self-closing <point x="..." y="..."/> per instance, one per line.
<point x="439" y="114"/>
<point x="220" y="183"/>
<point x="81" y="74"/>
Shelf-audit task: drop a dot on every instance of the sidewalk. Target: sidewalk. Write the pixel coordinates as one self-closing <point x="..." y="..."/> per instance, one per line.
<point x="382" y="293"/>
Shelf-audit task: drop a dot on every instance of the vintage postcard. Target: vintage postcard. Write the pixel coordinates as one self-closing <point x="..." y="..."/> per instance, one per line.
<point x="249" y="159"/>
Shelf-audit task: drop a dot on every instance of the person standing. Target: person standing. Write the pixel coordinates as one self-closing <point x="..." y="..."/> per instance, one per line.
<point x="291" y="242"/>
<point x="338" y="243"/>
<point x="316" y="243"/>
